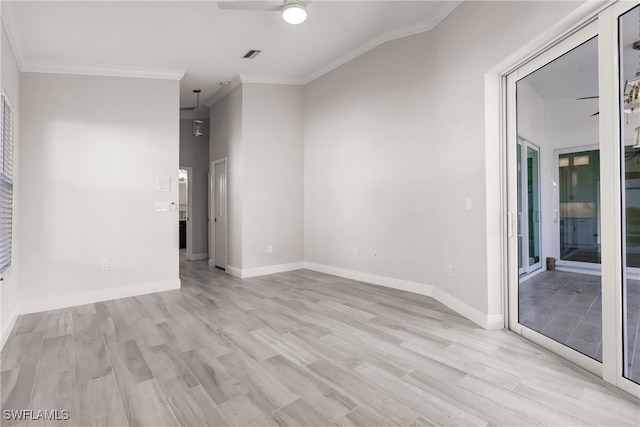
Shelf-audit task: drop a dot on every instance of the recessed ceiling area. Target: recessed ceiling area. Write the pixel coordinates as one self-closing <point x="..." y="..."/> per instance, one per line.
<point x="206" y="42"/>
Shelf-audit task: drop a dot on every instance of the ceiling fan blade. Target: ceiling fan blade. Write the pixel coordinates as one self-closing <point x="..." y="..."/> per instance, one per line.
<point x="187" y="108"/>
<point x="250" y="5"/>
<point x="595" y="114"/>
<point x="587" y="97"/>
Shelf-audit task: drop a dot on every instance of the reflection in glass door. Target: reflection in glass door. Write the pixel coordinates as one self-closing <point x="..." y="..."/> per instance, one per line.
<point x="528" y="206"/>
<point x="579" y="201"/>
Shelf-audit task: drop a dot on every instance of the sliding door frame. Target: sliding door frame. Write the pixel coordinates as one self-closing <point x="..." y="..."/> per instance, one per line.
<point x="601" y="22"/>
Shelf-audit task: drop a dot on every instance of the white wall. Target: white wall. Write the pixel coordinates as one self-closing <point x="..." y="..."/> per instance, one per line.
<point x="259" y="128"/>
<point x="194" y="152"/>
<point x="10" y="291"/>
<point x="273" y="175"/>
<point x="395" y="144"/>
<point x="92" y="149"/>
<point x="226" y="141"/>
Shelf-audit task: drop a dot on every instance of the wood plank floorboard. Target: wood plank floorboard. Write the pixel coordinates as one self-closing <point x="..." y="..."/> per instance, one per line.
<point x="294" y="349"/>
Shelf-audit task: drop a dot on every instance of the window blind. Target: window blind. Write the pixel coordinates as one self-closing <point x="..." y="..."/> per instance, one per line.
<point x="6" y="185"/>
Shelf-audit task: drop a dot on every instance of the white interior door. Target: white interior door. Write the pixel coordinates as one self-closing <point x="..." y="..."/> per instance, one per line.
<point x="220" y="212"/>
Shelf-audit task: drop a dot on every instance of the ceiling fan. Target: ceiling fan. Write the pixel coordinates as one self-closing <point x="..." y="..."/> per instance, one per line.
<point x="293" y="11"/>
<point x="589" y="97"/>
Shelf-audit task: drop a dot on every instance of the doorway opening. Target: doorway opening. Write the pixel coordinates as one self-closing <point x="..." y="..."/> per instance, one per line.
<point x="185" y="234"/>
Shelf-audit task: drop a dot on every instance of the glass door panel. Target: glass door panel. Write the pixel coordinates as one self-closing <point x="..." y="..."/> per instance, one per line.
<point x="629" y="33"/>
<point x="558" y="201"/>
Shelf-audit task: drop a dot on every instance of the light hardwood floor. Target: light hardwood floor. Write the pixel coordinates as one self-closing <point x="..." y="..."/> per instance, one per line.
<point x="298" y="348"/>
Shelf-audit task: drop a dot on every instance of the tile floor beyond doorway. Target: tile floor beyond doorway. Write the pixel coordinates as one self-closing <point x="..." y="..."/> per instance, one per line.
<point x="567" y="307"/>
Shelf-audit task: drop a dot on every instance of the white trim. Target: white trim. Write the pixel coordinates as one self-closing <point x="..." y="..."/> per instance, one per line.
<point x="45" y="304"/>
<point x="198" y="257"/>
<point x="490" y="322"/>
<point x="263" y="271"/>
<point x="417" y="28"/>
<point x="90" y="70"/>
<point x="8" y="327"/>
<point x="221" y="93"/>
<point x="17" y="49"/>
<point x="420" y="27"/>
<point x="233" y="271"/>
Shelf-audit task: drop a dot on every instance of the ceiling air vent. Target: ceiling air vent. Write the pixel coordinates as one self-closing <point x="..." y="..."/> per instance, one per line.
<point x="252" y="54"/>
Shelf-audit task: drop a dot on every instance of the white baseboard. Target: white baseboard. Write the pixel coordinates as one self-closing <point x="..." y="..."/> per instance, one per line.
<point x="262" y="271"/>
<point x="490" y="322"/>
<point x="45" y="304"/>
<point x="198" y="257"/>
<point x="234" y="271"/>
<point x="8" y="327"/>
<point x="403" y="285"/>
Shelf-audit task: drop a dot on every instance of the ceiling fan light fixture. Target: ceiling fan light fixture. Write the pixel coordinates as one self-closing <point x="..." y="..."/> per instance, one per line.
<point x="294" y="12"/>
<point x="632" y="95"/>
<point x="196" y="125"/>
<point x="196" y="128"/>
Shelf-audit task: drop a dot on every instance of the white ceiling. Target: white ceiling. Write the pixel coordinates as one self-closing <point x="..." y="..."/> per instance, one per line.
<point x="204" y="41"/>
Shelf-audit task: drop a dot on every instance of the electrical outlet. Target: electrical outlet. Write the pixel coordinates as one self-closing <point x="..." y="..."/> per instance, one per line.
<point x="375" y="254"/>
<point x="469" y="206"/>
<point x="270" y="248"/>
<point x="104" y="264"/>
<point x="450" y="270"/>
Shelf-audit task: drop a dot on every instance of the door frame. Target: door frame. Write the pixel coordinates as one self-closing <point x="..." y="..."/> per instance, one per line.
<point x="576" y="266"/>
<point x="189" y="170"/>
<point x="528" y="270"/>
<point x="212" y="207"/>
<point x="603" y="17"/>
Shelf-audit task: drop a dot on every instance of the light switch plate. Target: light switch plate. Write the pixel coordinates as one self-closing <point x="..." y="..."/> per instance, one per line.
<point x="163" y="184"/>
<point x="162" y="206"/>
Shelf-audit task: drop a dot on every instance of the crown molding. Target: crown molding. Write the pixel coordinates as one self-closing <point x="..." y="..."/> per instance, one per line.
<point x="221" y="93"/>
<point x="89" y="70"/>
<point x="270" y="80"/>
<point x="53" y="67"/>
<point x="420" y="27"/>
<point x="15" y="46"/>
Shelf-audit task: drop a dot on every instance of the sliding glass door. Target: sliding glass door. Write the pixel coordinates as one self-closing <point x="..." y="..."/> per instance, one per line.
<point x="558" y="198"/>
<point x="573" y="191"/>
